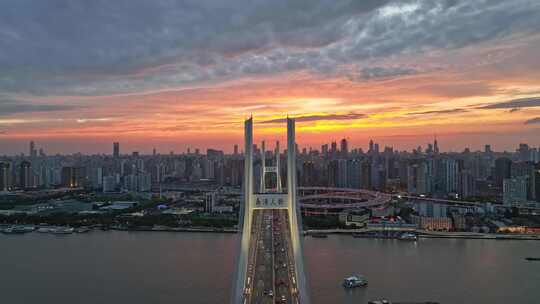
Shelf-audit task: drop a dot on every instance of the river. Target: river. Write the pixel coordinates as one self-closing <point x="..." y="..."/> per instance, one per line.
<point x="166" y="268"/>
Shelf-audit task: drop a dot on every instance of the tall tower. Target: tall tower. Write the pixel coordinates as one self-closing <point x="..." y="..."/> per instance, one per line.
<point x="116" y="149"/>
<point x="32" y="151"/>
<point x="25" y="175"/>
<point x="278" y="171"/>
<point x="5" y="176"/>
<point x="278" y="202"/>
<point x="263" y="167"/>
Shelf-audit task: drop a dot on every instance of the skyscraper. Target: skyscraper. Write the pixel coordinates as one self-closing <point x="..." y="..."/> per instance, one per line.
<point x="344" y="148"/>
<point x="5" y="181"/>
<point x="32" y="152"/>
<point x="73" y="177"/>
<point x="523" y="152"/>
<point x="503" y="167"/>
<point x="116" y="149"/>
<point x="515" y="191"/>
<point x="333" y="149"/>
<point x="25" y="175"/>
<point x="324" y="150"/>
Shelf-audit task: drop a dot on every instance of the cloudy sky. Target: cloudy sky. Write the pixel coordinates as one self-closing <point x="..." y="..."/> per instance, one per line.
<point x="76" y="75"/>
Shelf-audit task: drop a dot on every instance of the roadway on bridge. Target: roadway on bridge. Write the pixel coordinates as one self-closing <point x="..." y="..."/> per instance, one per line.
<point x="271" y="275"/>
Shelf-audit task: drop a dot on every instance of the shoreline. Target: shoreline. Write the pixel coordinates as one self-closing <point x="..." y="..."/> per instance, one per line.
<point x="432" y="234"/>
<point x="357" y="233"/>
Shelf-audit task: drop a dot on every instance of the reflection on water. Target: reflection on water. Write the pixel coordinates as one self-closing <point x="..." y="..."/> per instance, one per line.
<point x="147" y="267"/>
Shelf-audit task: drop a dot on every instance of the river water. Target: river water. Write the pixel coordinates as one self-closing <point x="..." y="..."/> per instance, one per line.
<point x="157" y="267"/>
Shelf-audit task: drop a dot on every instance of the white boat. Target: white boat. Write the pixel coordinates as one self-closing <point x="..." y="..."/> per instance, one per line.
<point x="16" y="230"/>
<point x="28" y="228"/>
<point x="407" y="236"/>
<point x="355" y="281"/>
<point x="62" y="230"/>
<point x="82" y="230"/>
<point x="44" y="230"/>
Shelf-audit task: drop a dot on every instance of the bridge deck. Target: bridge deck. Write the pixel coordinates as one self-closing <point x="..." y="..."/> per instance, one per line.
<point x="271" y="276"/>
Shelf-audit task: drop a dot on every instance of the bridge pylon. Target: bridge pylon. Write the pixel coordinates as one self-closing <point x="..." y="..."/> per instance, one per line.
<point x="263" y="200"/>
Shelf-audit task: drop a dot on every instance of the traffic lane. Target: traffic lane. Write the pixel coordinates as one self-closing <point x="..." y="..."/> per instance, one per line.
<point x="282" y="260"/>
<point x="264" y="272"/>
<point x="254" y="245"/>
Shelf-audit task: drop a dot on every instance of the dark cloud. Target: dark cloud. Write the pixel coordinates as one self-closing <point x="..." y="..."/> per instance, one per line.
<point x="382" y="72"/>
<point x="533" y="121"/>
<point x="451" y="111"/>
<point x="515" y="104"/>
<point x="12" y="106"/>
<point x="456" y="90"/>
<point x="102" y="47"/>
<point x="350" y="116"/>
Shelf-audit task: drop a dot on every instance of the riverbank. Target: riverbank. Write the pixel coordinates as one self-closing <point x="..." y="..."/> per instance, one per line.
<point x="358" y="233"/>
<point x="22" y="229"/>
<point x="431" y="234"/>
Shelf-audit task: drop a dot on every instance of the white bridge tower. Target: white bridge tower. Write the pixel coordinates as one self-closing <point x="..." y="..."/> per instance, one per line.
<point x="276" y="199"/>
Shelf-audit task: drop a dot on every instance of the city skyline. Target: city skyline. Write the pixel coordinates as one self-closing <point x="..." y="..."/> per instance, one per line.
<point x="269" y="151"/>
<point x="117" y="148"/>
<point x="188" y="75"/>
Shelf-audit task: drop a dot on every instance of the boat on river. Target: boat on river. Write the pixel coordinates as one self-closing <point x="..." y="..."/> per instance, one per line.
<point x="62" y="230"/>
<point x="532" y="259"/>
<point x="355" y="281"/>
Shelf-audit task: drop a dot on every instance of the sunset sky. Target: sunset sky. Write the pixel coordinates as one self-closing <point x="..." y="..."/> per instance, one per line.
<point x="78" y="75"/>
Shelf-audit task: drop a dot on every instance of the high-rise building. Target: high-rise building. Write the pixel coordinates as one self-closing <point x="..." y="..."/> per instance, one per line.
<point x="210" y="199"/>
<point x="109" y="184"/>
<point x="32" y="151"/>
<point x="344" y="148"/>
<point x="417" y="178"/>
<point x="376" y="148"/>
<point x="5" y="176"/>
<point x="95" y="176"/>
<point x="324" y="150"/>
<point x="144" y="182"/>
<point x="73" y="177"/>
<point x="435" y="146"/>
<point x="354" y="171"/>
<point x="502" y="170"/>
<point x="536" y="183"/>
<point x="342" y="176"/>
<point x="116" y="149"/>
<point x="25" y="175"/>
<point x="449" y="179"/>
<point x="515" y="191"/>
<point x="527" y="170"/>
<point x="333" y="149"/>
<point x="467" y="185"/>
<point x="365" y="174"/>
<point x="524" y="152"/>
<point x="235" y="150"/>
